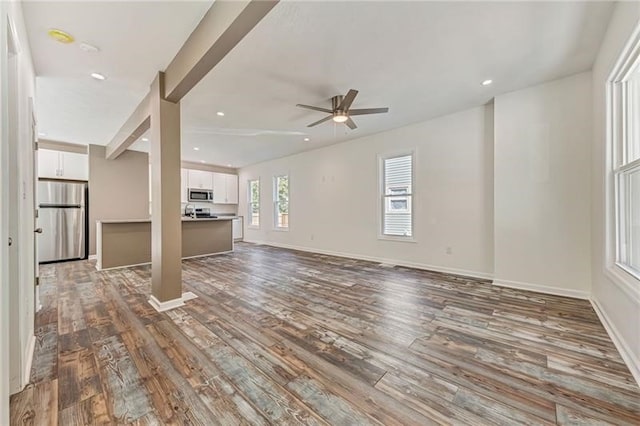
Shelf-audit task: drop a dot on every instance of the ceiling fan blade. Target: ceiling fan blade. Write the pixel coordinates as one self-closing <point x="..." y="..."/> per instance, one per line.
<point x="328" y="111"/>
<point x="348" y="100"/>
<point x="351" y="124"/>
<point x="368" y="111"/>
<point x="321" y="121"/>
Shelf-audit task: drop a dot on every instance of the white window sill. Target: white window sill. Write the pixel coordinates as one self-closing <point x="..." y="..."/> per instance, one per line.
<point x="625" y="280"/>
<point x="253" y="227"/>
<point x="397" y="239"/>
<point x="281" y="229"/>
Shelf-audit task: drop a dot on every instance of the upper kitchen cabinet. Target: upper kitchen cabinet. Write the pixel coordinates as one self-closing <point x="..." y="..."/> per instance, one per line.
<point x="62" y="165"/>
<point x="184" y="185"/>
<point x="200" y="179"/>
<point x="225" y="188"/>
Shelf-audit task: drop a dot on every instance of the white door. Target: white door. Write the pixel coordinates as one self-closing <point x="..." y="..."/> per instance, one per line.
<point x="12" y="186"/>
<point x="74" y="166"/>
<point x="232" y="189"/>
<point x="48" y="163"/>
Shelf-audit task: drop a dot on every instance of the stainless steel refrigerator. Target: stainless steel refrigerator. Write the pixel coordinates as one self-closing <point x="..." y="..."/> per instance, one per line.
<point x="62" y="217"/>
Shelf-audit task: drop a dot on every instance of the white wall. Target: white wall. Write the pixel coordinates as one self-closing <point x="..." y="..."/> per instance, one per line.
<point x="334" y="196"/>
<point x="20" y="318"/>
<point x="618" y="304"/>
<point x="542" y="187"/>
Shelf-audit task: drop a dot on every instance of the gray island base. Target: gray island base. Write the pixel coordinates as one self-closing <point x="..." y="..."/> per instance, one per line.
<point x="122" y="243"/>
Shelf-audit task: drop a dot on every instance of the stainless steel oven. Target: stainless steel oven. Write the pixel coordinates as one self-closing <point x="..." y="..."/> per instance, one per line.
<point x="200" y="195"/>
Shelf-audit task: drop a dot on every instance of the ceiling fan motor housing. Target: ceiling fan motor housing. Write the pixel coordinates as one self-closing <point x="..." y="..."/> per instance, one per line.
<point x="336" y="101"/>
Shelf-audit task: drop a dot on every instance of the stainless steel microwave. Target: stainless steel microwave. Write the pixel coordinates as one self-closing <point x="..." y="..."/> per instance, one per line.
<point x="200" y="195"/>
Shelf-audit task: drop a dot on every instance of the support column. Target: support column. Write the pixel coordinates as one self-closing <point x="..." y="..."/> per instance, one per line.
<point x="166" y="225"/>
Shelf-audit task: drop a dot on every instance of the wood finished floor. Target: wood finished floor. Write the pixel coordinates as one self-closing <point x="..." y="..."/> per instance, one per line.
<point x="285" y="337"/>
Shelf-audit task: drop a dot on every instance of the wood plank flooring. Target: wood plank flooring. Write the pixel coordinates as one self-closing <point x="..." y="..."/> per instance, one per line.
<point x="285" y="337"/>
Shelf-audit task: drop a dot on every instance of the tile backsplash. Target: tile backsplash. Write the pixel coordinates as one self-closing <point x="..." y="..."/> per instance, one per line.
<point x="215" y="208"/>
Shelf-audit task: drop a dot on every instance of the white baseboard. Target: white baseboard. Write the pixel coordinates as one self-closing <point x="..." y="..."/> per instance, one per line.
<point x="626" y="353"/>
<point x="171" y="304"/>
<point x="27" y="368"/>
<point x="538" y="288"/>
<point x="415" y="265"/>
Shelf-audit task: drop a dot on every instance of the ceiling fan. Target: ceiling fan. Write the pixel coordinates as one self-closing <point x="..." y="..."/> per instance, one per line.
<point x="341" y="111"/>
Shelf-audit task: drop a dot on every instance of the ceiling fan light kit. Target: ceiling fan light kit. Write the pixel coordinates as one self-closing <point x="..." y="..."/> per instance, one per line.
<point x="341" y="111"/>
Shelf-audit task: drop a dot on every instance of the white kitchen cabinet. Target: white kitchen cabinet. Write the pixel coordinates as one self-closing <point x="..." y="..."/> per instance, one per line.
<point x="75" y="166"/>
<point x="225" y="188"/>
<point x="200" y="179"/>
<point x="184" y="185"/>
<point x="232" y="189"/>
<point x="62" y="165"/>
<point x="48" y="163"/>
<point x="237" y="229"/>
<point x="219" y="188"/>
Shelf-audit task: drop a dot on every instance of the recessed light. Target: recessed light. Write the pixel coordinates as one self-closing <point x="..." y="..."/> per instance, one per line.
<point x="307" y="139"/>
<point x="228" y="165"/>
<point x="487" y="82"/>
<point x="145" y="139"/>
<point x="61" y="36"/>
<point x="89" y="48"/>
<point x="220" y="113"/>
<point x="196" y="149"/>
<point x="98" y="76"/>
<point x="42" y="134"/>
<point x="202" y="161"/>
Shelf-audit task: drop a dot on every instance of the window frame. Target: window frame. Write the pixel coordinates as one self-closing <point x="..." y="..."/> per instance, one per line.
<point x="276" y="202"/>
<point x="618" y="166"/>
<point x="250" y="203"/>
<point x="383" y="198"/>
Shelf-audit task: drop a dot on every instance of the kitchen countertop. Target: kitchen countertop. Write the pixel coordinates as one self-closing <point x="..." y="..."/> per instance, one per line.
<point x="184" y="219"/>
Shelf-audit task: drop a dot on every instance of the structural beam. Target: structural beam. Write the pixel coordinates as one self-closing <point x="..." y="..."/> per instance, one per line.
<point x="166" y="225"/>
<point x="135" y="126"/>
<point x="220" y="30"/>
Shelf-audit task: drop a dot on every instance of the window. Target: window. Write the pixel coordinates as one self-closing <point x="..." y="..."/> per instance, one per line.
<point x="397" y="193"/>
<point x="627" y="170"/>
<point x="254" y="203"/>
<point x="281" y="202"/>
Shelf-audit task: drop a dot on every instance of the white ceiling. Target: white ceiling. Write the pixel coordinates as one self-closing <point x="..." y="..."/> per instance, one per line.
<point x="421" y="59"/>
<point x="136" y="40"/>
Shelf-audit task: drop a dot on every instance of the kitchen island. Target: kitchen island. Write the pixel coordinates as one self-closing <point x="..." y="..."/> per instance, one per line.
<point x="121" y="243"/>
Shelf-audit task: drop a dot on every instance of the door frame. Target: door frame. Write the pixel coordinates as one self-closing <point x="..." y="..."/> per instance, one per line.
<point x="4" y="221"/>
<point x="34" y="177"/>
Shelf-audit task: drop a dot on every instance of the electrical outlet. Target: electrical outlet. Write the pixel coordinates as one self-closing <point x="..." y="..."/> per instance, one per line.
<point x="448" y="250"/>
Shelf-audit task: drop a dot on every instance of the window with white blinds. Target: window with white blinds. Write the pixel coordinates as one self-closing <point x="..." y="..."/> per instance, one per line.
<point x="397" y="195"/>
